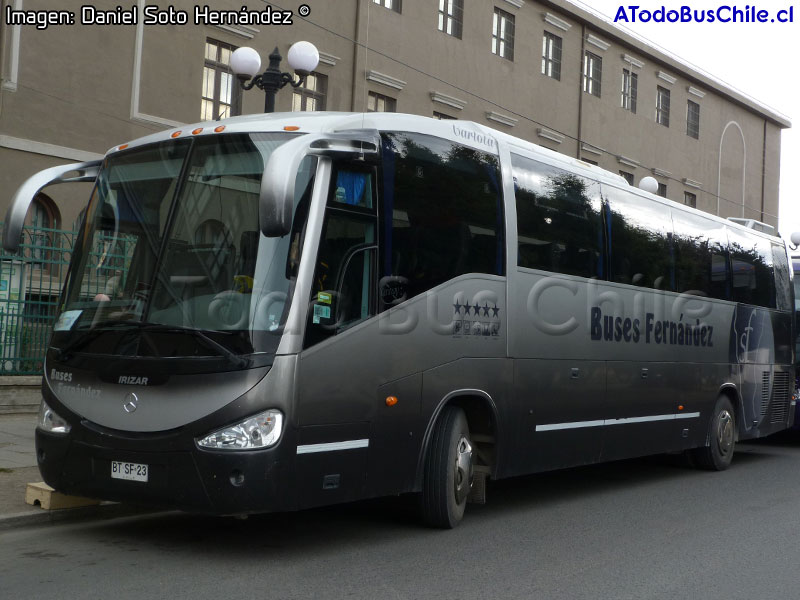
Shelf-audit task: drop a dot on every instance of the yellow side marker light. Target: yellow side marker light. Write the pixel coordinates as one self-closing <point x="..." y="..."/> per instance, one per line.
<point x="680" y="407"/>
<point x="391" y="400"/>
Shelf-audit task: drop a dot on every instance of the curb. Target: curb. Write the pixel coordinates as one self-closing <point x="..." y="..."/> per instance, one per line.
<point x="108" y="510"/>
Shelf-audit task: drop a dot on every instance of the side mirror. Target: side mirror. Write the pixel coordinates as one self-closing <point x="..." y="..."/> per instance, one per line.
<point x="795" y="238"/>
<point x="15" y="217"/>
<point x="277" y="184"/>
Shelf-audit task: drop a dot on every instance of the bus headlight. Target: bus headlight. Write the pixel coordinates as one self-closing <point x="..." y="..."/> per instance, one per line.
<point x="259" y="431"/>
<point x="50" y="422"/>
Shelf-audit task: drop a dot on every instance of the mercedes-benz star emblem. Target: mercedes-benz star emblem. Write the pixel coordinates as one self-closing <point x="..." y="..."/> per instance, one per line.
<point x="131" y="403"/>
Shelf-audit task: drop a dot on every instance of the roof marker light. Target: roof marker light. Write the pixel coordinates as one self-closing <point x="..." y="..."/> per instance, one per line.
<point x="219" y="129"/>
<point x="198" y="130"/>
<point x="291" y="128"/>
<point x="176" y="134"/>
<point x="122" y="147"/>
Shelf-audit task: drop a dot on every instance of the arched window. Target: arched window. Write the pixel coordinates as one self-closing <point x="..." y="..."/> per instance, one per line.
<point x="41" y="221"/>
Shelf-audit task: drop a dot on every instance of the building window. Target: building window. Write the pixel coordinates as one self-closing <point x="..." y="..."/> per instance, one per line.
<point x="442" y="116"/>
<point x="630" y="85"/>
<point x="390" y="4"/>
<point x="662" y="190"/>
<point x="690" y="199"/>
<point x="39" y="238"/>
<point x="221" y="95"/>
<point x="592" y="73"/>
<point x="628" y="176"/>
<point x="551" y="56"/>
<point x="503" y="34"/>
<point x="380" y="103"/>
<point x="311" y="96"/>
<point x="662" y="107"/>
<point x="451" y="15"/>
<point x="693" y="120"/>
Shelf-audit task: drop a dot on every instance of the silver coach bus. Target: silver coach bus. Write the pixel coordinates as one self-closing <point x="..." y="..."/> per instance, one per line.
<point x="271" y="313"/>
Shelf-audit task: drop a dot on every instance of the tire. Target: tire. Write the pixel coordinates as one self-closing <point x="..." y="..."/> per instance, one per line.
<point x="717" y="455"/>
<point x="448" y="470"/>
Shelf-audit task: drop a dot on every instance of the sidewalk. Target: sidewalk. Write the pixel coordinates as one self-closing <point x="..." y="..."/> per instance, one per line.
<point x="18" y="469"/>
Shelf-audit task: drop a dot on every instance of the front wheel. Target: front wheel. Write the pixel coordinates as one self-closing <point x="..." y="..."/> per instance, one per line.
<point x="448" y="470"/>
<point x="717" y="455"/>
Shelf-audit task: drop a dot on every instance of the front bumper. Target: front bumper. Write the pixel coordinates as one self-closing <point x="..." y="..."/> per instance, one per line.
<point x="181" y="476"/>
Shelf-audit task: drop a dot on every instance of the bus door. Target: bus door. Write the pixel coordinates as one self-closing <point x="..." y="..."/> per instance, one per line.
<point x="336" y="388"/>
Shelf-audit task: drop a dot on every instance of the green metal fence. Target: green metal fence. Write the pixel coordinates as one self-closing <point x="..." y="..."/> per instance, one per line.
<point x="30" y="284"/>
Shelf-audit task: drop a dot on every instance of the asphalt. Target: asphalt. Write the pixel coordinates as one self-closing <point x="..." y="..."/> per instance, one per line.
<point x="18" y="468"/>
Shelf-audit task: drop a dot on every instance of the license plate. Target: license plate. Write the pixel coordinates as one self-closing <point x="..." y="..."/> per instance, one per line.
<point x="129" y="471"/>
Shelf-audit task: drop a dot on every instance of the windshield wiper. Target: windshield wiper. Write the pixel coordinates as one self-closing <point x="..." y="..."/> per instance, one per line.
<point x="111" y="325"/>
<point x="233" y="358"/>
<point x="94" y="328"/>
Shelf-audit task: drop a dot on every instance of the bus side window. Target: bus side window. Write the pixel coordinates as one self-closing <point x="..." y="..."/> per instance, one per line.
<point x="441" y="214"/>
<point x="783" y="296"/>
<point x="559" y="222"/>
<point x="752" y="270"/>
<point x="701" y="256"/>
<point x="639" y="245"/>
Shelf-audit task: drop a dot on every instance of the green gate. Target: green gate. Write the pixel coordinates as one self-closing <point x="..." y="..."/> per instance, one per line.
<point x="30" y="285"/>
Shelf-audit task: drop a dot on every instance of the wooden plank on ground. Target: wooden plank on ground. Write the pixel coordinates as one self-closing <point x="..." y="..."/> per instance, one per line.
<point x="42" y="494"/>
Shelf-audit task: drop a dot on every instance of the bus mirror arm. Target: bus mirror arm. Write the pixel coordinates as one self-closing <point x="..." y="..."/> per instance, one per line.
<point x="277" y="185"/>
<point x="15" y="217"/>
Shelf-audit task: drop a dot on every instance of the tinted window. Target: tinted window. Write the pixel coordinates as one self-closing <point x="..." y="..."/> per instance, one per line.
<point x="751" y="267"/>
<point x="783" y="291"/>
<point x="639" y="249"/>
<point x="700" y="250"/>
<point x="558" y="218"/>
<point x="441" y="214"/>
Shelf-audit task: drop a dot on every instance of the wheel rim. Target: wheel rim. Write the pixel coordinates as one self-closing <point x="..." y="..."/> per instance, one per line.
<point x="725" y="433"/>
<point x="462" y="482"/>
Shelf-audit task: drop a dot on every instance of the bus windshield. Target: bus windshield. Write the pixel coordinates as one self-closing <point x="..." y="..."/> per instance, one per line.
<point x="171" y="245"/>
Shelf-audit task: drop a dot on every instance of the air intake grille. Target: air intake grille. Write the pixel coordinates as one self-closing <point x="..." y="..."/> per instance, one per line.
<point x="780" y="398"/>
<point x="764" y="393"/>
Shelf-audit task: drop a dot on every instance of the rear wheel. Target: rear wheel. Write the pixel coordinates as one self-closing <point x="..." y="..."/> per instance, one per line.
<point x="448" y="470"/>
<point x="717" y="455"/>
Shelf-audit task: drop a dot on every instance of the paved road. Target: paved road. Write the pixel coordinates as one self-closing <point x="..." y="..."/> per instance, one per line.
<point x="636" y="529"/>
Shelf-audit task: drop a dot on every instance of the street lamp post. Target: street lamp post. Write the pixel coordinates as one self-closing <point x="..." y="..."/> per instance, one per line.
<point x="303" y="58"/>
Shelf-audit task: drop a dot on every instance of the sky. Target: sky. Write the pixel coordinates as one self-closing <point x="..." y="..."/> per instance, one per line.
<point x="755" y="58"/>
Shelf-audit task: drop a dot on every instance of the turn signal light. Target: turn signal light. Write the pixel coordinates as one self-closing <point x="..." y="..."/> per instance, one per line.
<point x="391" y="400"/>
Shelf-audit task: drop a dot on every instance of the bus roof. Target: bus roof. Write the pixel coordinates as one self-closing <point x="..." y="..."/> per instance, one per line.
<point x="467" y="133"/>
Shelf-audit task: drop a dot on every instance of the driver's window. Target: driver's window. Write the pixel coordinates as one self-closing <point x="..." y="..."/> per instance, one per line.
<point x="343" y="290"/>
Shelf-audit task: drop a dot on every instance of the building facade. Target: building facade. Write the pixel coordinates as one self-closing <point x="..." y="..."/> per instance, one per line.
<point x="546" y="71"/>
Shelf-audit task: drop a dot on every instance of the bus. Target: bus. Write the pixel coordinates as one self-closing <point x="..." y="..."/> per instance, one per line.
<point x="277" y="312"/>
